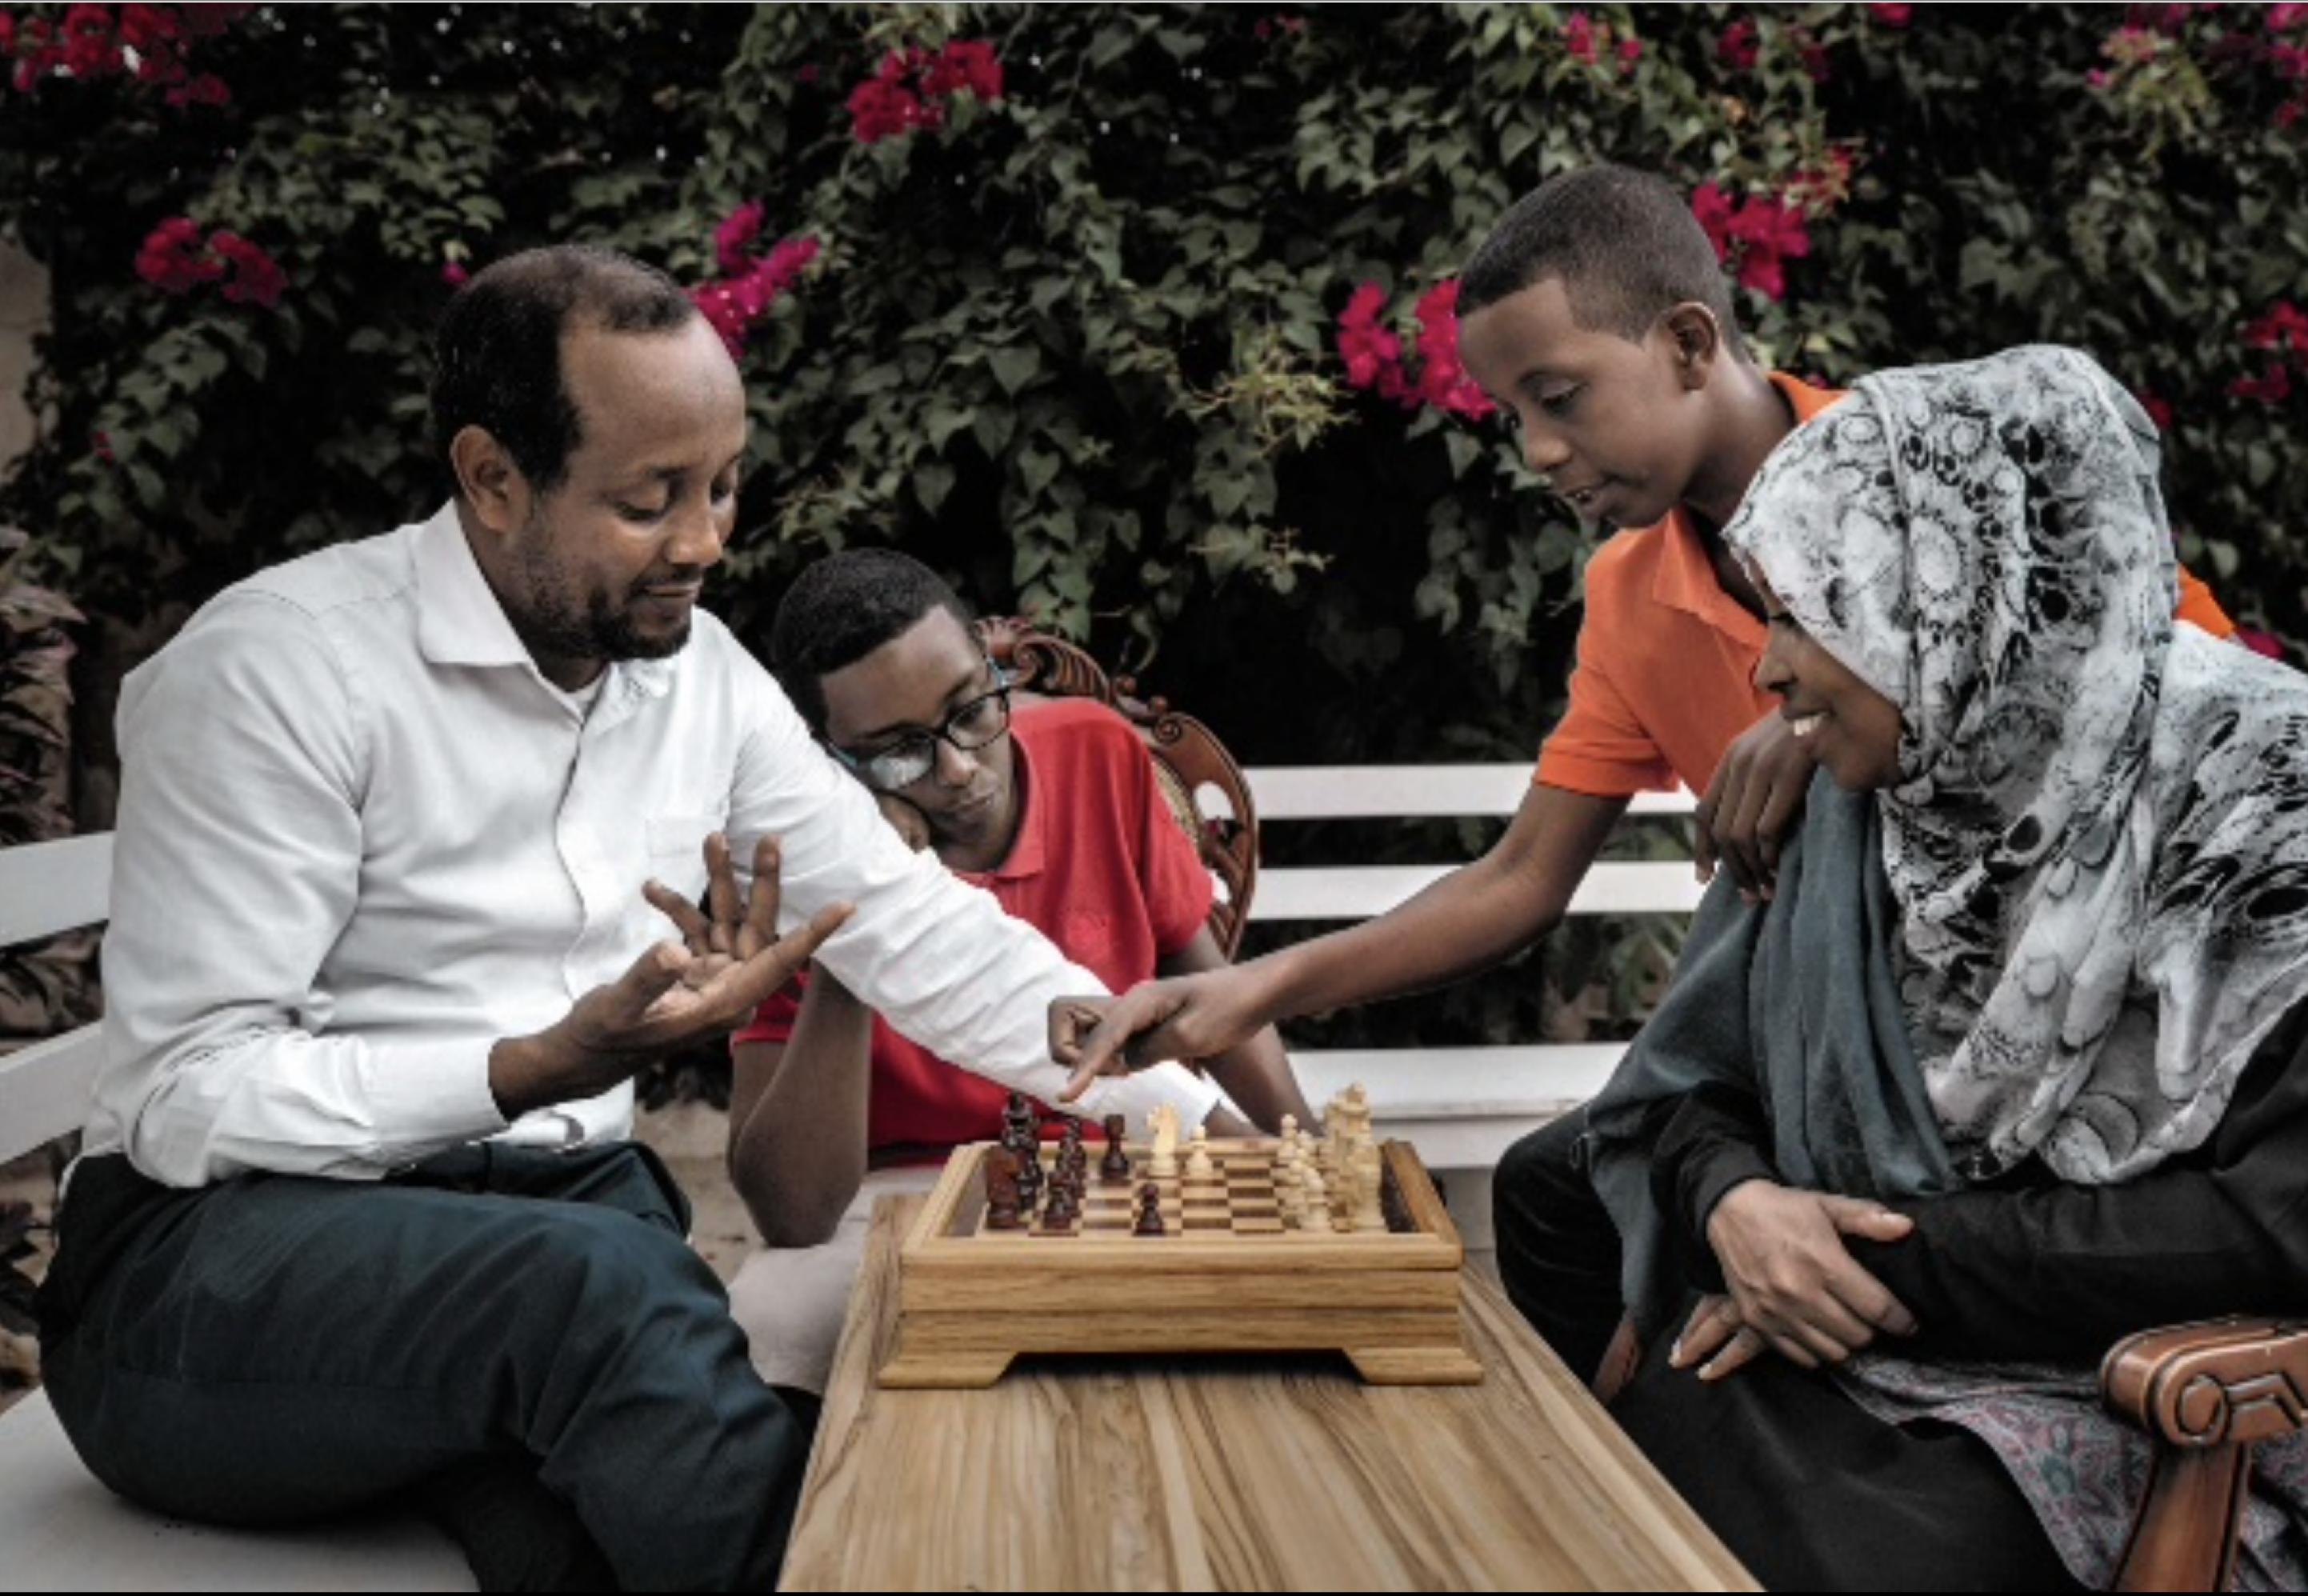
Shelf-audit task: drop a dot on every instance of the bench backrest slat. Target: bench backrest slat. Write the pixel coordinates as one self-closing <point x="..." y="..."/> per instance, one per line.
<point x="48" y="887"/>
<point x="1358" y="892"/>
<point x="1410" y="792"/>
<point x="46" y="1089"/>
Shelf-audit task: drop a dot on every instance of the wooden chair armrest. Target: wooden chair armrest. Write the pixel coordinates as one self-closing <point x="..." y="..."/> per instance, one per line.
<point x="2235" y="1380"/>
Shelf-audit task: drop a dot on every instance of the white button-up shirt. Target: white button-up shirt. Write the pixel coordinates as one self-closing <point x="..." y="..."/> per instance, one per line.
<point x="361" y="839"/>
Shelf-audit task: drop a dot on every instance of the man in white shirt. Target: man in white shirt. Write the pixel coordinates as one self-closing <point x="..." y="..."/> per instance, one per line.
<point x="355" y="1207"/>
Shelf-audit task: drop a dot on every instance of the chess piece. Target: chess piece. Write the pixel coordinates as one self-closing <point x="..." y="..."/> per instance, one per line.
<point x="1150" y="1211"/>
<point x="1058" y="1218"/>
<point x="1315" y="1203"/>
<point x="1164" y="1123"/>
<point x="1002" y="1190"/>
<point x="1030" y="1179"/>
<point x="1290" y="1129"/>
<point x="1074" y="1158"/>
<point x="1114" y="1168"/>
<point x="1017" y="1120"/>
<point x="1369" y="1177"/>
<point x="1198" y="1166"/>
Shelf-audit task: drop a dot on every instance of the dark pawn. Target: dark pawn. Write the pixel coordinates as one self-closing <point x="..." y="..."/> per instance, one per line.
<point x="1030" y="1179"/>
<point x="1115" y="1168"/>
<point x="1059" y="1217"/>
<point x="1150" y="1211"/>
<point x="1002" y="1212"/>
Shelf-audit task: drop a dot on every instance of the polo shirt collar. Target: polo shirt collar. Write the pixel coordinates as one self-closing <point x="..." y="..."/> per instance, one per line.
<point x="461" y="622"/>
<point x="1685" y="577"/>
<point x="1030" y="853"/>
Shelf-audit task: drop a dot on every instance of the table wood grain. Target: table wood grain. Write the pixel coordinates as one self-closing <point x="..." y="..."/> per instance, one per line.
<point x="1232" y="1474"/>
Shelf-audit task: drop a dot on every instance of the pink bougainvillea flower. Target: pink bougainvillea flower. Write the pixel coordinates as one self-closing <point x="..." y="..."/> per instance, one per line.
<point x="1579" y="37"/>
<point x="733" y="240"/>
<point x="99" y="442"/>
<point x="2290" y="112"/>
<point x="2158" y="412"/>
<point x="1769" y="233"/>
<point x="1442" y="379"/>
<point x="2283" y="18"/>
<point x="879" y="110"/>
<point x="2266" y="643"/>
<point x="736" y="304"/>
<point x="2273" y="386"/>
<point x="1713" y="208"/>
<point x="965" y="63"/>
<point x="206" y="90"/>
<point x="1814" y="56"/>
<point x="1373" y="354"/>
<point x="2285" y="325"/>
<point x="1738" y="48"/>
<point x="1630" y="50"/>
<point x="1893" y="16"/>
<point x="455" y="273"/>
<point x="2129" y="46"/>
<point x="7" y="32"/>
<point x="173" y="260"/>
<point x="256" y="276"/>
<point x="207" y="21"/>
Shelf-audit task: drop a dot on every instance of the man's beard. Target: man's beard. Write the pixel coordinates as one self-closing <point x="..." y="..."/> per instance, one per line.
<point x="560" y="624"/>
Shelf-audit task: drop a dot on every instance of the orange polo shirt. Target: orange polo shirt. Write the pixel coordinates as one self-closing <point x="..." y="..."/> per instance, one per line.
<point x="1666" y="675"/>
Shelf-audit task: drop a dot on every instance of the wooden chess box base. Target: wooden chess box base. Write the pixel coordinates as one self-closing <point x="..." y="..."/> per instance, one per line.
<point x="1227" y="1276"/>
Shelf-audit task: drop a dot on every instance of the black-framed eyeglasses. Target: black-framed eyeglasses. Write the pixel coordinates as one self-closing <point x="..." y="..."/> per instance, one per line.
<point x="971" y="727"/>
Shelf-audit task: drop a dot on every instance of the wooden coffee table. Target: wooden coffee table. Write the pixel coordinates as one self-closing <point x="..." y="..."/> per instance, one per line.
<point x="1229" y="1474"/>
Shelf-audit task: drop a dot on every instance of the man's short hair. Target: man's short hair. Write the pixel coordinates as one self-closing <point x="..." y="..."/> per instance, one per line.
<point x="496" y="354"/>
<point x="1624" y="242"/>
<point x="841" y="609"/>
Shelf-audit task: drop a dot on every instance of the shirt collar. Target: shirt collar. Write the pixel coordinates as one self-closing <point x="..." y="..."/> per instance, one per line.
<point x="1685" y="577"/>
<point x="1029" y="852"/>
<point x="461" y="622"/>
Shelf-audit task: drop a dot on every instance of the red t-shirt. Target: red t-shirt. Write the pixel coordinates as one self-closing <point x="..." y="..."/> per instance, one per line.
<point x="1099" y="867"/>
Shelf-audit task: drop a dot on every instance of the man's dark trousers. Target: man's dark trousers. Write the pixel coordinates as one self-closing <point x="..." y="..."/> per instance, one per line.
<point x="271" y="1349"/>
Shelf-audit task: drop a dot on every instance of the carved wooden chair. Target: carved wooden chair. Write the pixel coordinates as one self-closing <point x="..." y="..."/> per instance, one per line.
<point x="1207" y="793"/>
<point x="2206" y="1395"/>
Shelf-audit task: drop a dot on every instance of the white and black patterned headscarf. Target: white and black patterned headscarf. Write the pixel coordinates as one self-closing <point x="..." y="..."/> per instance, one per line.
<point x="2099" y="839"/>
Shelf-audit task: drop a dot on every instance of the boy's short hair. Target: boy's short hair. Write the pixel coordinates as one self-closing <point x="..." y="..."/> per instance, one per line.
<point x="1624" y="242"/>
<point x="841" y="609"/>
<point x="496" y="353"/>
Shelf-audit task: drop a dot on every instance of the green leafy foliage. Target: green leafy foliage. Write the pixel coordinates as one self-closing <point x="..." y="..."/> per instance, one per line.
<point x="1076" y="345"/>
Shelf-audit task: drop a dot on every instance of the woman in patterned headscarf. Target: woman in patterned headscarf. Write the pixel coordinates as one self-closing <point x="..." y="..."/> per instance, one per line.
<point x="2007" y="1068"/>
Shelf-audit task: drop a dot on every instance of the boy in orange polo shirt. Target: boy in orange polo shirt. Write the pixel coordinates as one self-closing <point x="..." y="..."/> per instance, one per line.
<point x="1598" y="318"/>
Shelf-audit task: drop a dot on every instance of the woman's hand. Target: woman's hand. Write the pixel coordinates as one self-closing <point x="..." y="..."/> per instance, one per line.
<point x="1790" y="1276"/>
<point x="1717" y="1339"/>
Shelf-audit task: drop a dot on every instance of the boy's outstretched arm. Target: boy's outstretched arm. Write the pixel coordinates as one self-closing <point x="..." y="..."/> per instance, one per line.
<point x="1464" y="923"/>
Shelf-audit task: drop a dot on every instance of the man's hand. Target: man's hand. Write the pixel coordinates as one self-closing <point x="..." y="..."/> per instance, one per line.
<point x="1790" y="1276"/>
<point x="1757" y="792"/>
<point x="1192" y="1016"/>
<point x="725" y="964"/>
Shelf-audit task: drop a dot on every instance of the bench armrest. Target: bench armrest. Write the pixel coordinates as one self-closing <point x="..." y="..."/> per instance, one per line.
<point x="2239" y="1380"/>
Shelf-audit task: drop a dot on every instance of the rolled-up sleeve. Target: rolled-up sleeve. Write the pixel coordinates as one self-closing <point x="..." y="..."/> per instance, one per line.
<point x="237" y="866"/>
<point x="935" y="957"/>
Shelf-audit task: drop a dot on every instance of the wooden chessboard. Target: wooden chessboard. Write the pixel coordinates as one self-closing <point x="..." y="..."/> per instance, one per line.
<point x="1229" y="1274"/>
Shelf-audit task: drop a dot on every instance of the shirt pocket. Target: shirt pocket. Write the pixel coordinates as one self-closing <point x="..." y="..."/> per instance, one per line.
<point x="676" y="849"/>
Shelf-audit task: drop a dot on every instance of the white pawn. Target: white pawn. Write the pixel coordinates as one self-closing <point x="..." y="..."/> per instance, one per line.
<point x="1198" y="1157"/>
<point x="1370" y="1215"/>
<point x="1315" y="1211"/>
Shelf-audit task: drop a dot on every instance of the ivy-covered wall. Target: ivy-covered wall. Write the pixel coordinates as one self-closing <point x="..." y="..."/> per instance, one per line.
<point x="1137" y="318"/>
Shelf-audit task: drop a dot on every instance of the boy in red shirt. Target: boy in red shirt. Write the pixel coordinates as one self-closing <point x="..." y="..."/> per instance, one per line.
<point x="1052" y="806"/>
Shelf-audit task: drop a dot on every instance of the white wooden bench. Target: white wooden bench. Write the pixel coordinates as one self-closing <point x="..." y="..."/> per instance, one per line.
<point x="1461" y="1107"/>
<point x="59" y="1529"/>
